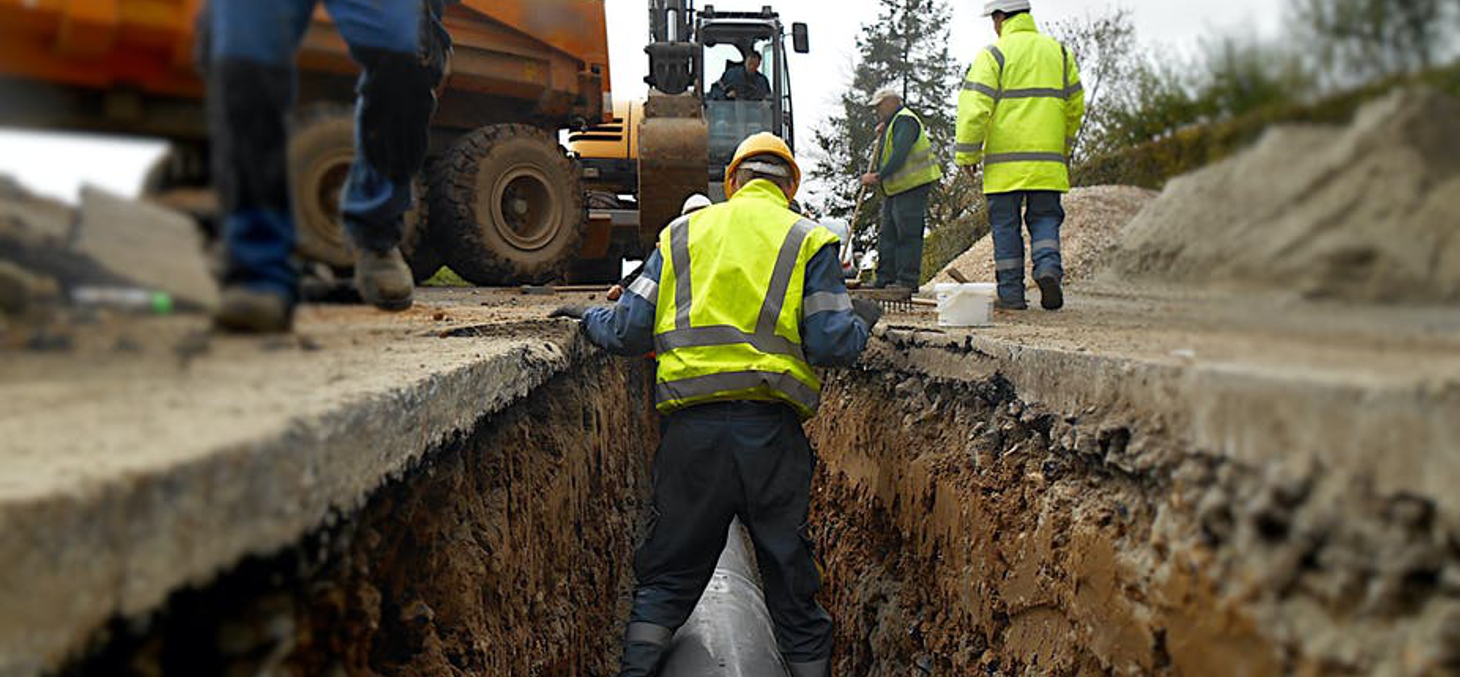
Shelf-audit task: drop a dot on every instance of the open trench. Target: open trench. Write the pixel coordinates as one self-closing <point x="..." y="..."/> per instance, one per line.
<point x="962" y="531"/>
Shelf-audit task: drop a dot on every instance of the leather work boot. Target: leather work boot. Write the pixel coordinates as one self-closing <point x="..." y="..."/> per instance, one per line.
<point x="1051" y="296"/>
<point x="249" y="311"/>
<point x="384" y="280"/>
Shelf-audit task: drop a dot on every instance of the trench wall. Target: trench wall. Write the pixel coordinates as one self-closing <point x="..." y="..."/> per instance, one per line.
<point x="505" y="551"/>
<point x="967" y="530"/>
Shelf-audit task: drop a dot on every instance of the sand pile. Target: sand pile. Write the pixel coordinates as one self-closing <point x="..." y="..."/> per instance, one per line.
<point x="1370" y="212"/>
<point x="1093" y="217"/>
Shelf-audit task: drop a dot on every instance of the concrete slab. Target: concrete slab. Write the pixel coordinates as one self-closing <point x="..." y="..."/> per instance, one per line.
<point x="149" y="245"/>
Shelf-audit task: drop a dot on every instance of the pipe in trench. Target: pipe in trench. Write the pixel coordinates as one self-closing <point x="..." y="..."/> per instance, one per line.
<point x="729" y="634"/>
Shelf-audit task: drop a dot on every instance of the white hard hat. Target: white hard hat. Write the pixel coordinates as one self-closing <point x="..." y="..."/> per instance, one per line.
<point x="1005" y="6"/>
<point x="884" y="94"/>
<point x="695" y="203"/>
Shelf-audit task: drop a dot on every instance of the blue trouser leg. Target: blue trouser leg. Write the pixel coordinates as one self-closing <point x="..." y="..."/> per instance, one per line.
<point x="1045" y="215"/>
<point x="250" y="89"/>
<point x="401" y="48"/>
<point x="910" y="214"/>
<point x="1008" y="232"/>
<point x="887" y="246"/>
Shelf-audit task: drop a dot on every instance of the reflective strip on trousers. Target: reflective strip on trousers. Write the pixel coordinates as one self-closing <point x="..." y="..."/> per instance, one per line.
<point x="997" y="158"/>
<point x="710" y="384"/>
<point x="826" y="302"/>
<point x="648" y="633"/>
<point x="1041" y="245"/>
<point x="646" y="289"/>
<point x="1009" y="264"/>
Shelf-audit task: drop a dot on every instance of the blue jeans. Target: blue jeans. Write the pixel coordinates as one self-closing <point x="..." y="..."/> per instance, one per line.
<point x="401" y="47"/>
<point x="1042" y="213"/>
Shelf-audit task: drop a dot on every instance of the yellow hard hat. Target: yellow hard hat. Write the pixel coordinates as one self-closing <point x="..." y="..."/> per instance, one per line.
<point x="764" y="143"/>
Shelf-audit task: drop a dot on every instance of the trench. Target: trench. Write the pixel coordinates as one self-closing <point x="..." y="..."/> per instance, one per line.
<point x="962" y="531"/>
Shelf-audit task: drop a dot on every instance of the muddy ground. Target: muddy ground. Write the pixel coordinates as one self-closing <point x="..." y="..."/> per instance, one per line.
<point x="504" y="552"/>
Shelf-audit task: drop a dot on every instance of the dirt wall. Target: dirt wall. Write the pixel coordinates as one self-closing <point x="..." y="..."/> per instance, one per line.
<point x="966" y="532"/>
<point x="506" y="552"/>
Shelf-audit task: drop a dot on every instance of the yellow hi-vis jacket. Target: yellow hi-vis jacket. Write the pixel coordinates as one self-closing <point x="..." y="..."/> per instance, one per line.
<point x="920" y="168"/>
<point x="1021" y="106"/>
<point x="727" y="325"/>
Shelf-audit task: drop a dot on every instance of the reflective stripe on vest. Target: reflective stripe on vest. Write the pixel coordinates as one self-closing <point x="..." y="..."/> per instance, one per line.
<point x="920" y="168"/>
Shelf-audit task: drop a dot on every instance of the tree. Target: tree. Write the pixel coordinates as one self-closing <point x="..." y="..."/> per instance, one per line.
<point x="1105" y="48"/>
<point x="906" y="48"/>
<point x="1356" y="41"/>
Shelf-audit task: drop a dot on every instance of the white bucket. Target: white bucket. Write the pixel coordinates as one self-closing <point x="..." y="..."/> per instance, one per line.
<point x="966" y="305"/>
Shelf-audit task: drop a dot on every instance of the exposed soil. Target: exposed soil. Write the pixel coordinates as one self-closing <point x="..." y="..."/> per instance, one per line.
<point x="506" y="552"/>
<point x="967" y="532"/>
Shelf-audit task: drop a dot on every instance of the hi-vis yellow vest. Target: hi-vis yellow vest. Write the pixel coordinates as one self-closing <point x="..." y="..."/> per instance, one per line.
<point x="727" y="324"/>
<point x="920" y="169"/>
<point x="1019" y="112"/>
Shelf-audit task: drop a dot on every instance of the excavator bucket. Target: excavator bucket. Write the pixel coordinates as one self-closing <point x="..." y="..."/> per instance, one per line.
<point x="674" y="149"/>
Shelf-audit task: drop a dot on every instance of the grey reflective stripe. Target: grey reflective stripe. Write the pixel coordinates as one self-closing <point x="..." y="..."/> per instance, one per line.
<point x="679" y="250"/>
<point x="1071" y="90"/>
<point x="996" y="158"/>
<point x="968" y="148"/>
<point x="819" y="668"/>
<point x="648" y="633"/>
<point x="722" y="335"/>
<point x="1034" y="93"/>
<point x="981" y="88"/>
<point x="646" y="289"/>
<point x="1009" y="264"/>
<point x="914" y="164"/>
<point x="775" y="296"/>
<point x="711" y="384"/>
<point x="826" y="302"/>
<point x="998" y="56"/>
<point x="1040" y="245"/>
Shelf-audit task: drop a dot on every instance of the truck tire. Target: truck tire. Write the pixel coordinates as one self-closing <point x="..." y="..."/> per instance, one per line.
<point x="507" y="204"/>
<point x="321" y="148"/>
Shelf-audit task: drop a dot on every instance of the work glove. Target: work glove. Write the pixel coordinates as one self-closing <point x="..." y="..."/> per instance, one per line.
<point x="868" y="311"/>
<point x="573" y="312"/>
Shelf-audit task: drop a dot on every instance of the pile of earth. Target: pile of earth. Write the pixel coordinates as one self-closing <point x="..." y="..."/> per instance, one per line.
<point x="1367" y="213"/>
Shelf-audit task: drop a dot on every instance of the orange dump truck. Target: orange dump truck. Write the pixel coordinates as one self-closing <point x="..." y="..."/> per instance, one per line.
<point x="503" y="201"/>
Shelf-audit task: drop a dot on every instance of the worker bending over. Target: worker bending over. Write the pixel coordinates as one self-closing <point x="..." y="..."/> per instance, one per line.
<point x="1019" y="111"/>
<point x="740" y="301"/>
<point x="906" y="174"/>
<point x="402" y="48"/>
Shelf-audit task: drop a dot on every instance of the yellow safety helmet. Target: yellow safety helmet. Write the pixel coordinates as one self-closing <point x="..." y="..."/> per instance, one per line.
<point x="764" y="143"/>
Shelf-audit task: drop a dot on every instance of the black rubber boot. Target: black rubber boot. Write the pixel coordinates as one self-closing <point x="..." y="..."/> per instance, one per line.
<point x="1051" y="295"/>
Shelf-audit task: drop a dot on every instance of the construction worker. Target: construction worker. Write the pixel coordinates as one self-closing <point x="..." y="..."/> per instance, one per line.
<point x="743" y="82"/>
<point x="740" y="301"/>
<point x="1019" y="111"/>
<point x="402" y="48"/>
<point x="906" y="174"/>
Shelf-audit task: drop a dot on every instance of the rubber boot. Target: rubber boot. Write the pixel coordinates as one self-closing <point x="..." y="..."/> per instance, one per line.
<point x="248" y="311"/>
<point x="1051" y="295"/>
<point x="384" y="280"/>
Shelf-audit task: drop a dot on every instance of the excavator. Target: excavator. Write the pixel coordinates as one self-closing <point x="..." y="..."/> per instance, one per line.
<point x="500" y="201"/>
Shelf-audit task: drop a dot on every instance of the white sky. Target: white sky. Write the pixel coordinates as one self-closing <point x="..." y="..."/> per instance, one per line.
<point x="57" y="164"/>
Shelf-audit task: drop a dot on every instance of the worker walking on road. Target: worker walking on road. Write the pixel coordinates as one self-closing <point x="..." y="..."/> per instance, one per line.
<point x="402" y="49"/>
<point x="906" y="174"/>
<point x="740" y="301"/>
<point x="1019" y="112"/>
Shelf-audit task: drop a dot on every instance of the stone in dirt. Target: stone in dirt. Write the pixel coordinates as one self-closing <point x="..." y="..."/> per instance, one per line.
<point x="148" y="245"/>
<point x="1364" y="213"/>
<point x="1093" y="217"/>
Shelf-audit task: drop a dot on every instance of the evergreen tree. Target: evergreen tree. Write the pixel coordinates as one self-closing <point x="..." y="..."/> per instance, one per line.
<point x="905" y="48"/>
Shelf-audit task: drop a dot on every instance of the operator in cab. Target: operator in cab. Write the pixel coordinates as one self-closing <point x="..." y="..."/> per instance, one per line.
<point x="743" y="82"/>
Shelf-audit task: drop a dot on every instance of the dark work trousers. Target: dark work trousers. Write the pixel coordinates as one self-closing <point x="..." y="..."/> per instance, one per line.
<point x="900" y="239"/>
<point x="401" y="47"/>
<point x="1009" y="214"/>
<point x="717" y="461"/>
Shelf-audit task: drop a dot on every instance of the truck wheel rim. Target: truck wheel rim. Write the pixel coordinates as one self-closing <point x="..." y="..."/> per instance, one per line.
<point x="525" y="208"/>
<point x="325" y="183"/>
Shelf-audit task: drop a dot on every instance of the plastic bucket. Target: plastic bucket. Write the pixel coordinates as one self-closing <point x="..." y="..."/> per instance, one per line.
<point x="966" y="305"/>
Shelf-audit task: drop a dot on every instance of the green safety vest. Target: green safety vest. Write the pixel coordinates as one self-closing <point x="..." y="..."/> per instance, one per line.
<point x="727" y="320"/>
<point x="920" y="169"/>
<point x="1021" y="106"/>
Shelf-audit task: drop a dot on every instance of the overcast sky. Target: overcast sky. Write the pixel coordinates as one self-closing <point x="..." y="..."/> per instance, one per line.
<point x="57" y="165"/>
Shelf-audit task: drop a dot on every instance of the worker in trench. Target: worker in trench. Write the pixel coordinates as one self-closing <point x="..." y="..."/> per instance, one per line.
<point x="740" y="301"/>
<point x="402" y="49"/>
<point x="1019" y="111"/>
<point x="906" y="173"/>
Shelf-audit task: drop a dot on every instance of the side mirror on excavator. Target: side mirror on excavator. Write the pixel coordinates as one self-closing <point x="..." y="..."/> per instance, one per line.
<point x="800" y="38"/>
